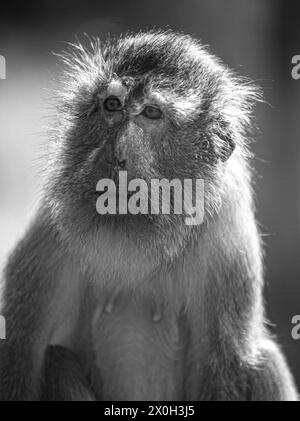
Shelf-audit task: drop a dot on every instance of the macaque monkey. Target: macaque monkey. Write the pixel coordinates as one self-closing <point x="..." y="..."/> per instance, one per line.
<point x="143" y="307"/>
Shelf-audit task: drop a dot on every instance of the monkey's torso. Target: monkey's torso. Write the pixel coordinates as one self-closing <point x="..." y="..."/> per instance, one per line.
<point x="190" y="331"/>
<point x="131" y="356"/>
<point x="134" y="339"/>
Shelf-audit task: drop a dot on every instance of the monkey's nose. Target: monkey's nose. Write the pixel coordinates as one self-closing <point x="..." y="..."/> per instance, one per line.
<point x="116" y="162"/>
<point x="114" y="157"/>
<point x="120" y="163"/>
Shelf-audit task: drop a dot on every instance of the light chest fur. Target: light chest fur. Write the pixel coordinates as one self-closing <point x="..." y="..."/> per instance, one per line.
<point x="131" y="325"/>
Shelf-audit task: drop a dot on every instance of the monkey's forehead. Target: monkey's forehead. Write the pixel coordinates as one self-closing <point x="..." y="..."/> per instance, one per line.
<point x="162" y="60"/>
<point x="171" y="68"/>
<point x="158" y="60"/>
<point x="174" y="68"/>
<point x="165" y="60"/>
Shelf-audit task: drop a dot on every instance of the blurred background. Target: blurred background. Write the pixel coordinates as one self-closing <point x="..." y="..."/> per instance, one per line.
<point x="258" y="38"/>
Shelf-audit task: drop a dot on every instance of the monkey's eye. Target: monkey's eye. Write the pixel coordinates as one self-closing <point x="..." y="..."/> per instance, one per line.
<point x="152" y="112"/>
<point x="112" y="103"/>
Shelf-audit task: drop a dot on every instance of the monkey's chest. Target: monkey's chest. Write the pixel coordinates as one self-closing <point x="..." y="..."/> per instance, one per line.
<point x="137" y="350"/>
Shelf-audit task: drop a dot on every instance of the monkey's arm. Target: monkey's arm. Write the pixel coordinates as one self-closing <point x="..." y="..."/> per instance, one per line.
<point x="244" y="362"/>
<point x="31" y="280"/>
<point x="233" y="378"/>
<point x="64" y="378"/>
<point x="271" y="380"/>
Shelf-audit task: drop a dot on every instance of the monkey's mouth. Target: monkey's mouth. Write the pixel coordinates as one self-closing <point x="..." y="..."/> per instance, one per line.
<point x="116" y="181"/>
<point x="114" y="197"/>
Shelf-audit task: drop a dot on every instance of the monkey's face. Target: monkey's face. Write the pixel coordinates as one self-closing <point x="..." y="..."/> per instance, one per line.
<point x="155" y="105"/>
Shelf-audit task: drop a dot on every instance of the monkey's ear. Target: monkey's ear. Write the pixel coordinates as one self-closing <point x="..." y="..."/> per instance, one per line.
<point x="226" y="145"/>
<point x="224" y="139"/>
<point x="234" y="112"/>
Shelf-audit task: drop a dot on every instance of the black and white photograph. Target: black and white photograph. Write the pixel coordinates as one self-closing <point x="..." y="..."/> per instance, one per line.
<point x="150" y="203"/>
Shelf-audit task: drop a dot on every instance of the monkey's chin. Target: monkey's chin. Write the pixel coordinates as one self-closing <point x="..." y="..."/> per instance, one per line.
<point x="87" y="233"/>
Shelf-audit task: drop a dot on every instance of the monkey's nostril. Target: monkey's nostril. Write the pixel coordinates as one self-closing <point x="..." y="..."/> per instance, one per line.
<point x="121" y="163"/>
<point x="107" y="161"/>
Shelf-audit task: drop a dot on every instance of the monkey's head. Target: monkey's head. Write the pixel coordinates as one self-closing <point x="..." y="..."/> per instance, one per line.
<point x="156" y="105"/>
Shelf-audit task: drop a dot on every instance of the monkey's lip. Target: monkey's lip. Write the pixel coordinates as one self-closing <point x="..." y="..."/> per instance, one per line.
<point x="113" y="175"/>
<point x="100" y="193"/>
